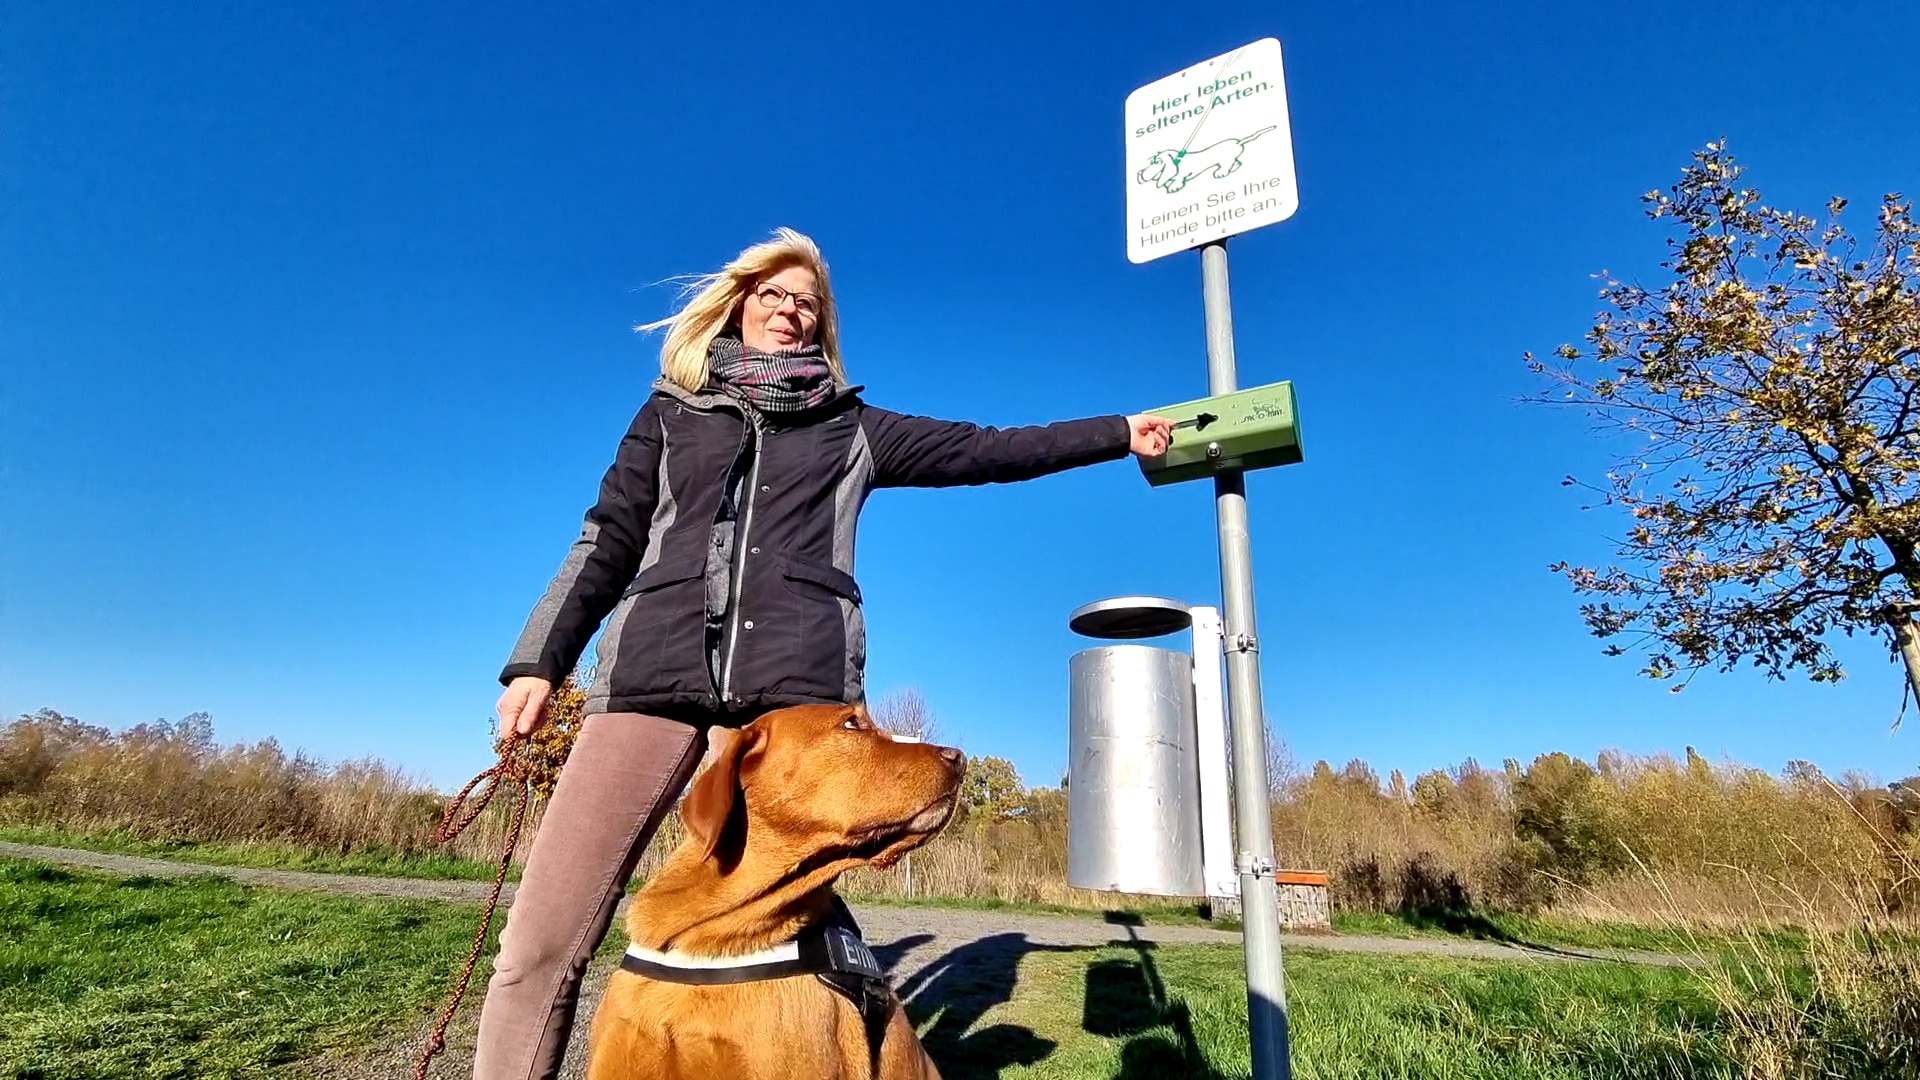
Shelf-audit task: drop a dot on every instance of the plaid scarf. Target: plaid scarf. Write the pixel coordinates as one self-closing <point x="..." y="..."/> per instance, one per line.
<point x="770" y="382"/>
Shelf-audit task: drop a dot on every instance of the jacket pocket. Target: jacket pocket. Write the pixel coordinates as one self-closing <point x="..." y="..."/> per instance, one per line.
<point x="823" y="655"/>
<point x="834" y="581"/>
<point x="668" y="572"/>
<point x="655" y="643"/>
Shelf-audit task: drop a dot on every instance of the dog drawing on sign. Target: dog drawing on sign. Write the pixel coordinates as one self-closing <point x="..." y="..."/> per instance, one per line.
<point x="1171" y="170"/>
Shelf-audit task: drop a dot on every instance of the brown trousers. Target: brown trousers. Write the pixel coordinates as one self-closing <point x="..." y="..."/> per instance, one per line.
<point x="624" y="774"/>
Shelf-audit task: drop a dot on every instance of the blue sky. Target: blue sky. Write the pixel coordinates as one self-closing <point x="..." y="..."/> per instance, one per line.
<point x="314" y="341"/>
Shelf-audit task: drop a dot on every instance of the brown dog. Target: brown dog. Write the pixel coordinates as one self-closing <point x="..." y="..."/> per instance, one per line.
<point x="795" y="799"/>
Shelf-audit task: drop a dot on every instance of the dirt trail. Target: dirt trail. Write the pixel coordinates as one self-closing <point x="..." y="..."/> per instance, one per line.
<point x="917" y="944"/>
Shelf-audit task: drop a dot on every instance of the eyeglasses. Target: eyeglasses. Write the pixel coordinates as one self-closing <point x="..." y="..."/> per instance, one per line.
<point x="771" y="296"/>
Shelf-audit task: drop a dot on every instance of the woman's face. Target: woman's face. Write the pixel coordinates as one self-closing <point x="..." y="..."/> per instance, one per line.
<point x="785" y="316"/>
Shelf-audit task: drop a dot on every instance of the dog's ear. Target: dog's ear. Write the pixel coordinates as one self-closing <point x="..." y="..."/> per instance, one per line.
<point x="715" y="805"/>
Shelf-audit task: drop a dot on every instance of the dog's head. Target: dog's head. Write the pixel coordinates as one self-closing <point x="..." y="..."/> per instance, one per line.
<point x="818" y="784"/>
<point x="1156" y="169"/>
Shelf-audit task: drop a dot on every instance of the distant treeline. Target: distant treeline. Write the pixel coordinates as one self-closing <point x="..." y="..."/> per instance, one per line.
<point x="1633" y="835"/>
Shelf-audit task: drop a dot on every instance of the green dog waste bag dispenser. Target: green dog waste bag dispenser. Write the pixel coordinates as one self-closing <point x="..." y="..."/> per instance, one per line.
<point x="1248" y="429"/>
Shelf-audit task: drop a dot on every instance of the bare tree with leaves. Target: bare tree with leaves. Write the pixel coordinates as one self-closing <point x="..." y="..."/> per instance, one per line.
<point x="1769" y="392"/>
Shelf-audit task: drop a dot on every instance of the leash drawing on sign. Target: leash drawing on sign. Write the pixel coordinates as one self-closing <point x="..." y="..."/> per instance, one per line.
<point x="1226" y="67"/>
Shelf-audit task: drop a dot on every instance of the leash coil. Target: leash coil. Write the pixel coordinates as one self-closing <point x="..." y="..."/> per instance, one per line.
<point x="454" y="819"/>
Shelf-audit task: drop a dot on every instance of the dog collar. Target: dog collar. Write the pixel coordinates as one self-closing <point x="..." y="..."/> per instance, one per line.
<point x="833" y="952"/>
<point x="779" y="954"/>
<point x="819" y="950"/>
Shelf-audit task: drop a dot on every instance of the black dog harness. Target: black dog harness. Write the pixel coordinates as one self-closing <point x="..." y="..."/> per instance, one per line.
<point x="833" y="952"/>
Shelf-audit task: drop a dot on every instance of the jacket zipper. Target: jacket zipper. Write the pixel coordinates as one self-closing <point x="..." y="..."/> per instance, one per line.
<point x="740" y="567"/>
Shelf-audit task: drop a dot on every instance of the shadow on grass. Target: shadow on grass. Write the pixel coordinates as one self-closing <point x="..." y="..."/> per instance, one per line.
<point x="1434" y="899"/>
<point x="1428" y="898"/>
<point x="1127" y="999"/>
<point x="955" y="991"/>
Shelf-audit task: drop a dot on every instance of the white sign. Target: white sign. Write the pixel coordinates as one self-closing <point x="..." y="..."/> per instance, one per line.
<point x="1209" y="153"/>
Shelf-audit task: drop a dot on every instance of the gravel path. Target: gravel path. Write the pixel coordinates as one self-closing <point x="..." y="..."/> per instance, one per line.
<point x="920" y="946"/>
<point x="417" y="888"/>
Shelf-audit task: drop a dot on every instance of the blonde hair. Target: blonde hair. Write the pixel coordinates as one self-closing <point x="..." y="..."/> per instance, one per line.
<point x="716" y="297"/>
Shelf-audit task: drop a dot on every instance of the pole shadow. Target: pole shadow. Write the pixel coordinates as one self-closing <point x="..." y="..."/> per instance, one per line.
<point x="1128" y="999"/>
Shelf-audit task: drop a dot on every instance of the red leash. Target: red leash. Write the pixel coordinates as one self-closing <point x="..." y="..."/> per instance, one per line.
<point x="455" y="818"/>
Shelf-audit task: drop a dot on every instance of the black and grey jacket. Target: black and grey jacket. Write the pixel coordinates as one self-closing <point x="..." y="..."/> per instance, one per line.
<point x="722" y="545"/>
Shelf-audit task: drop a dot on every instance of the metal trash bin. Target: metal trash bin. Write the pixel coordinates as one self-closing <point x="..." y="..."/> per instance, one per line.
<point x="1147" y="789"/>
<point x="1133" y="785"/>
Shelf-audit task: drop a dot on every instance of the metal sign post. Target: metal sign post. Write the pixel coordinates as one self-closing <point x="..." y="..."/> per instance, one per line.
<point x="1253" y="811"/>
<point x="1209" y="155"/>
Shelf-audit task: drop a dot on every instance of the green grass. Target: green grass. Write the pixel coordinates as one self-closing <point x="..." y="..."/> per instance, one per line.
<point x="1563" y="931"/>
<point x="108" y="977"/>
<point x="104" y="977"/>
<point x="1547" y="929"/>
<point x="374" y="862"/>
<point x="1180" y="1011"/>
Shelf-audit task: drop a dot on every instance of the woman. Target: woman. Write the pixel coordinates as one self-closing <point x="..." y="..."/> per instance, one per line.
<point x="722" y="546"/>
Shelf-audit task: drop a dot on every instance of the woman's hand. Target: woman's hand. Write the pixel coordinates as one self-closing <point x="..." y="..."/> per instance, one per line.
<point x="523" y="708"/>
<point x="1151" y="434"/>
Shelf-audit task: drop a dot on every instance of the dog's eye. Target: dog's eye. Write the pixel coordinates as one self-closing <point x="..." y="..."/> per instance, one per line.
<point x="851" y="723"/>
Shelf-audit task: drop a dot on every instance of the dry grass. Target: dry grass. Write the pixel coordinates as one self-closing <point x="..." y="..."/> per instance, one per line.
<point x="1809" y="988"/>
<point x="174" y="782"/>
<point x="1846" y="1003"/>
